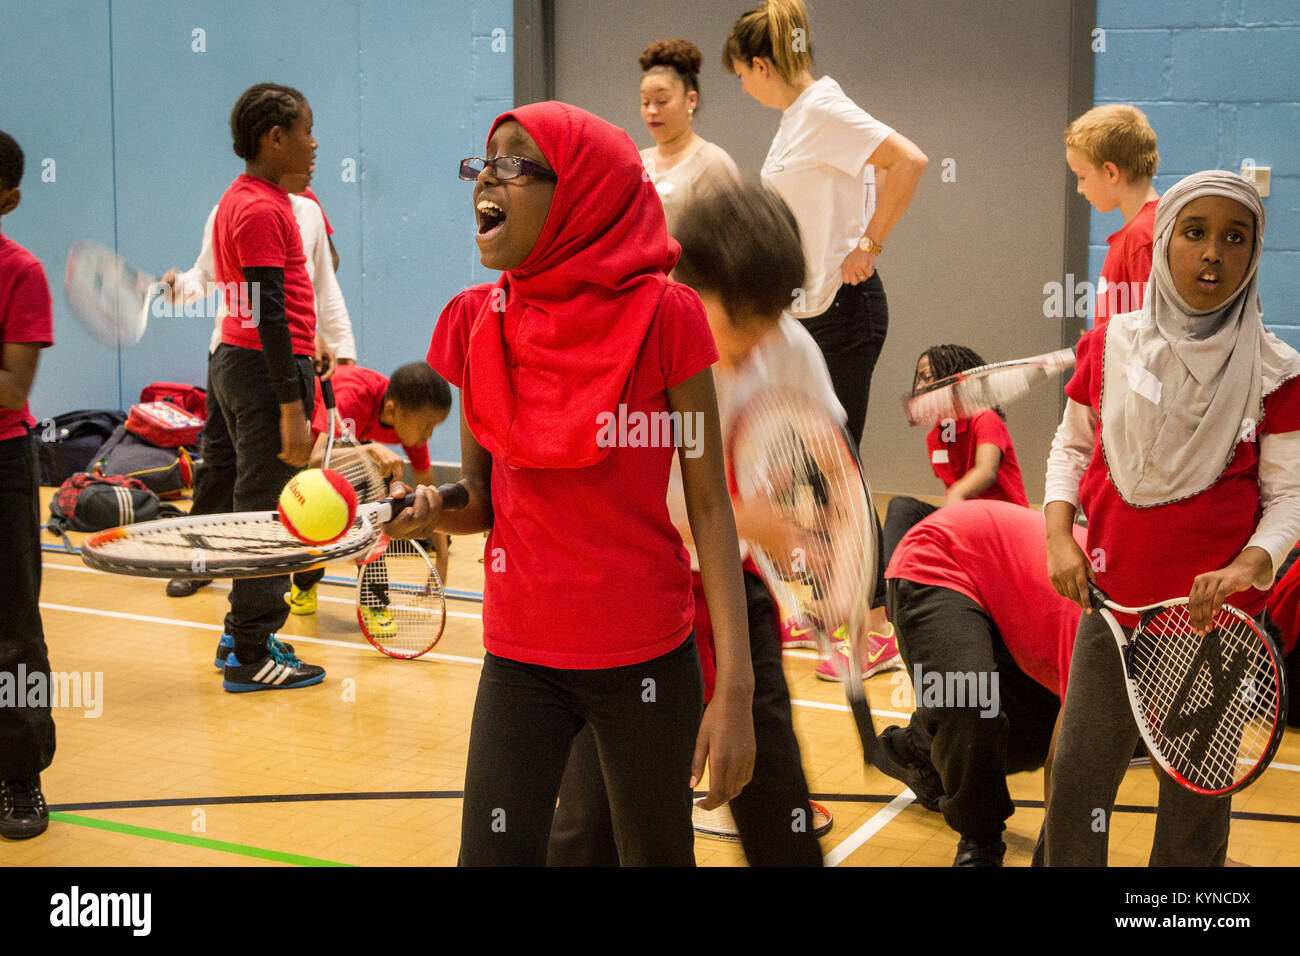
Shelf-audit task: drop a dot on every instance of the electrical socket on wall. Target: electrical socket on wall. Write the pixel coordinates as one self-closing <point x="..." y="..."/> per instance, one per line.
<point x="1256" y="175"/>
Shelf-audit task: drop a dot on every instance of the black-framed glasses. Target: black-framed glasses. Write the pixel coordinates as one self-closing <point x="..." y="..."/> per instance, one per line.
<point x="504" y="167"/>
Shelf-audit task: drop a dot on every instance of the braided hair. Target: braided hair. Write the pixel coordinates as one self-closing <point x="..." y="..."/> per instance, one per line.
<point x="259" y="109"/>
<point x="948" y="360"/>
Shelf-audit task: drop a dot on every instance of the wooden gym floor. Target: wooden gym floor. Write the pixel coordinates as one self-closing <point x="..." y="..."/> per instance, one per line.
<point x="367" y="768"/>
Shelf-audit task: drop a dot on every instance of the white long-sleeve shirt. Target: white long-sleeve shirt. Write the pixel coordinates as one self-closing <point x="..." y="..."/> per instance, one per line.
<point x="332" y="319"/>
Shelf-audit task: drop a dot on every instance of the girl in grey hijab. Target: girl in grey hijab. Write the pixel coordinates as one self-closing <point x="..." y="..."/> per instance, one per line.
<point x="1191" y="485"/>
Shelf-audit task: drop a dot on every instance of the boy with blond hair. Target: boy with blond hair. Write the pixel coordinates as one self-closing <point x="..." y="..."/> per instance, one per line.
<point x="1112" y="150"/>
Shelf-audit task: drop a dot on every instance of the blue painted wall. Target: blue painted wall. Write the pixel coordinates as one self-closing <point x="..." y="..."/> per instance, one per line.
<point x="128" y="120"/>
<point x="1219" y="81"/>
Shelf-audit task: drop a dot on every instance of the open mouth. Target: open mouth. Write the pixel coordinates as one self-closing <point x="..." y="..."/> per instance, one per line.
<point x="1208" y="281"/>
<point x="491" y="218"/>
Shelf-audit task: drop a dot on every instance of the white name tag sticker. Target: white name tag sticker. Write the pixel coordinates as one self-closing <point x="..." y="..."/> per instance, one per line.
<point x="1144" y="383"/>
<point x="939" y="456"/>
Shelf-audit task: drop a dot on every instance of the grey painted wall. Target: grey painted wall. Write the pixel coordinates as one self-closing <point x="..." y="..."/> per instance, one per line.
<point x="983" y="85"/>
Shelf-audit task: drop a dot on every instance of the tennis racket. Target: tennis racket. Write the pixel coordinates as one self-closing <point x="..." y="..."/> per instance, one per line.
<point x="108" y="296"/>
<point x="989" y="386"/>
<point x="721" y="825"/>
<point x="347" y="456"/>
<point x="1211" y="709"/>
<point x="247" y="544"/>
<point x="400" y="605"/>
<point x="789" y="455"/>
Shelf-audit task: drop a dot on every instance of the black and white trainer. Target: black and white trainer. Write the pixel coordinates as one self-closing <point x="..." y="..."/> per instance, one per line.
<point x="278" y="670"/>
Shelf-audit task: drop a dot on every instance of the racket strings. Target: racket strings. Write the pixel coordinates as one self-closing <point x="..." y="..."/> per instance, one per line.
<point x="358" y="468"/>
<point x="1212" y="701"/>
<point x="992" y="386"/>
<point x="400" y="601"/>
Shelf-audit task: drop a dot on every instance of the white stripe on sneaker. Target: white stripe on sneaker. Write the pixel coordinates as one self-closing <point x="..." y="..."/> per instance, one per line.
<point x="267" y="672"/>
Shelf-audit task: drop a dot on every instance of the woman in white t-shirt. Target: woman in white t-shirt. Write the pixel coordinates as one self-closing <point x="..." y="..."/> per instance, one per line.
<point x="682" y="164"/>
<point x="826" y="161"/>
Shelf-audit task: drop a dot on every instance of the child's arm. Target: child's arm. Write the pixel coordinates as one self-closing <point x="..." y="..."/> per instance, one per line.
<point x="982" y="475"/>
<point x="1277" y="531"/>
<point x="1067" y="565"/>
<point x="17" y="373"/>
<point x="427" y="517"/>
<point x="726" y="736"/>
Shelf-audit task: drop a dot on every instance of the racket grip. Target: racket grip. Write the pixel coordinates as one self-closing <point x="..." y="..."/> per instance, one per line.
<point x="327" y="394"/>
<point x="454" y="498"/>
<point x="1098" y="596"/>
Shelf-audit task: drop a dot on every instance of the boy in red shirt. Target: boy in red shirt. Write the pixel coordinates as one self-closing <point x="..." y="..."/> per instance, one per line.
<point x="26" y="327"/>
<point x="262" y="371"/>
<point x="1112" y="149"/>
<point x="987" y="644"/>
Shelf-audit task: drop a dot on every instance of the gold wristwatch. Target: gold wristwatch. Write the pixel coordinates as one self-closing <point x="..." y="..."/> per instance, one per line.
<point x="867" y="244"/>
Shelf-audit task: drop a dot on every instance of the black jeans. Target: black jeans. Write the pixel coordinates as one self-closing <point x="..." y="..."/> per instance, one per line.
<point x="771" y="812"/>
<point x="644" y="717"/>
<point x="851" y="334"/>
<point x="242" y="397"/>
<point x="973" y="744"/>
<point x="214" y="479"/>
<point x="26" y="732"/>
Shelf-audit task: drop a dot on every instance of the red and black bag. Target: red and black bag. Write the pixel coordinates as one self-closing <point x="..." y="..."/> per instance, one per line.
<point x="92" y="503"/>
<point x="164" y="424"/>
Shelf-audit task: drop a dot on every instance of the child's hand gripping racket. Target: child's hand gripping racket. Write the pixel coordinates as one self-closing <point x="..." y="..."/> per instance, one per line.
<point x="786" y="453"/>
<point x="1212" y="708"/>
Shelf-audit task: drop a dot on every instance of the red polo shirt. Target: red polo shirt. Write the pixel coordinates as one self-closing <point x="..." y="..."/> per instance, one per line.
<point x="952" y="459"/>
<point x="25" y="316"/>
<point x="359" y="394"/>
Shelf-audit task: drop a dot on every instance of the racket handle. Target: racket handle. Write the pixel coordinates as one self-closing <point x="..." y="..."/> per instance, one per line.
<point x="454" y="498"/>
<point x="1098" y="596"/>
<point x="327" y="394"/>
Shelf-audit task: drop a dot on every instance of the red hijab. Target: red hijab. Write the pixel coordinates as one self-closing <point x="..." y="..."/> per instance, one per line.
<point x="577" y="309"/>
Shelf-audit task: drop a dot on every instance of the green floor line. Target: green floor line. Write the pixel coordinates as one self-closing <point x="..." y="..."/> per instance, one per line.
<point x="191" y="840"/>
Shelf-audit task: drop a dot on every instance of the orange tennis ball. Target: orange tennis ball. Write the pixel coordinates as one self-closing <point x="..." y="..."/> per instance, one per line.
<point x="318" y="506"/>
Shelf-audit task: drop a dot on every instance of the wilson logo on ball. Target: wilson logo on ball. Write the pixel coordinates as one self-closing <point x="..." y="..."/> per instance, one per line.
<point x="318" y="506"/>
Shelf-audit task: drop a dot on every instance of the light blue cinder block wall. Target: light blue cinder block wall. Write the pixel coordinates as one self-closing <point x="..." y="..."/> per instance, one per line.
<point x="122" y="109"/>
<point x="1219" y="81"/>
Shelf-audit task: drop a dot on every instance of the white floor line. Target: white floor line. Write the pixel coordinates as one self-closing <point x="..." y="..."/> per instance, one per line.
<point x="844" y="708"/>
<point x="869" y="829"/>
<point x="224" y="586"/>
<point x="293" y="638"/>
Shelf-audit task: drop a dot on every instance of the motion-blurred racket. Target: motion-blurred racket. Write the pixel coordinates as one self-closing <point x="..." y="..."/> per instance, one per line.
<point x="247" y="544"/>
<point x="1211" y="709"/>
<point x="721" y="825"/>
<point x="108" y="296"/>
<point x="989" y="386"/>
<point x="786" y="452"/>
<point x="400" y="604"/>
<point x="347" y="456"/>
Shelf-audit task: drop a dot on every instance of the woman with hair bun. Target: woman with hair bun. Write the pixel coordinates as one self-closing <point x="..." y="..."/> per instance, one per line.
<point x="825" y="161"/>
<point x="682" y="164"/>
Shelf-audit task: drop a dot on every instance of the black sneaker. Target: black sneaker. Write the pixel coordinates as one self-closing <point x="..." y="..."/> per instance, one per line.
<point x="900" y="759"/>
<point x="980" y="853"/>
<point x="22" y="809"/>
<point x="276" y="671"/>
<point x="226" y="647"/>
<point x="184" y="587"/>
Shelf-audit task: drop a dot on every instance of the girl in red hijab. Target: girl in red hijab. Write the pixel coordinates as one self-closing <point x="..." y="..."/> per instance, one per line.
<point x="582" y="370"/>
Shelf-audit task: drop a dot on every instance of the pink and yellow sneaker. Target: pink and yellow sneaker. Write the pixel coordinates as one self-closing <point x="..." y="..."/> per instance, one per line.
<point x="882" y="654"/>
<point x="796" y="634"/>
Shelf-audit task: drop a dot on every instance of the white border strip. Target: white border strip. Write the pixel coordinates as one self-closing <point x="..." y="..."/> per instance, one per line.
<point x="869" y="829"/>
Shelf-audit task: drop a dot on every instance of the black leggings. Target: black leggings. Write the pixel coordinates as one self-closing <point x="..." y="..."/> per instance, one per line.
<point x="774" y="830"/>
<point x="645" y="718"/>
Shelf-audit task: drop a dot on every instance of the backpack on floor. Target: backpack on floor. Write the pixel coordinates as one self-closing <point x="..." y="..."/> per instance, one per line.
<point x="189" y="397"/>
<point x="167" y="472"/>
<point x="68" y="442"/>
<point x="164" y="424"/>
<point x="92" y="503"/>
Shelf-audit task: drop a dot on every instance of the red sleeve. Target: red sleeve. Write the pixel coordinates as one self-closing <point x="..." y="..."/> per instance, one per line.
<point x="329" y="230"/>
<point x="988" y="428"/>
<point x="259" y="237"/>
<point x="1137" y="270"/>
<point x="685" y="343"/>
<point x="29" y="317"/>
<point x="449" y="346"/>
<point x="1087" y="355"/>
<point x="1284" y="607"/>
<point x="419" y="455"/>
<point x="1282" y="409"/>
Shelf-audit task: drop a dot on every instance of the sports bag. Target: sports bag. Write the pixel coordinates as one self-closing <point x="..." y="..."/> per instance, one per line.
<point x="164" y="424"/>
<point x="68" y="442"/>
<point x="90" y="503"/>
<point x="189" y="397"/>
<point x="164" y="471"/>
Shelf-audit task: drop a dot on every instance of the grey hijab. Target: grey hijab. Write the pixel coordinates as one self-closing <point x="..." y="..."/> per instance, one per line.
<point x="1181" y="387"/>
